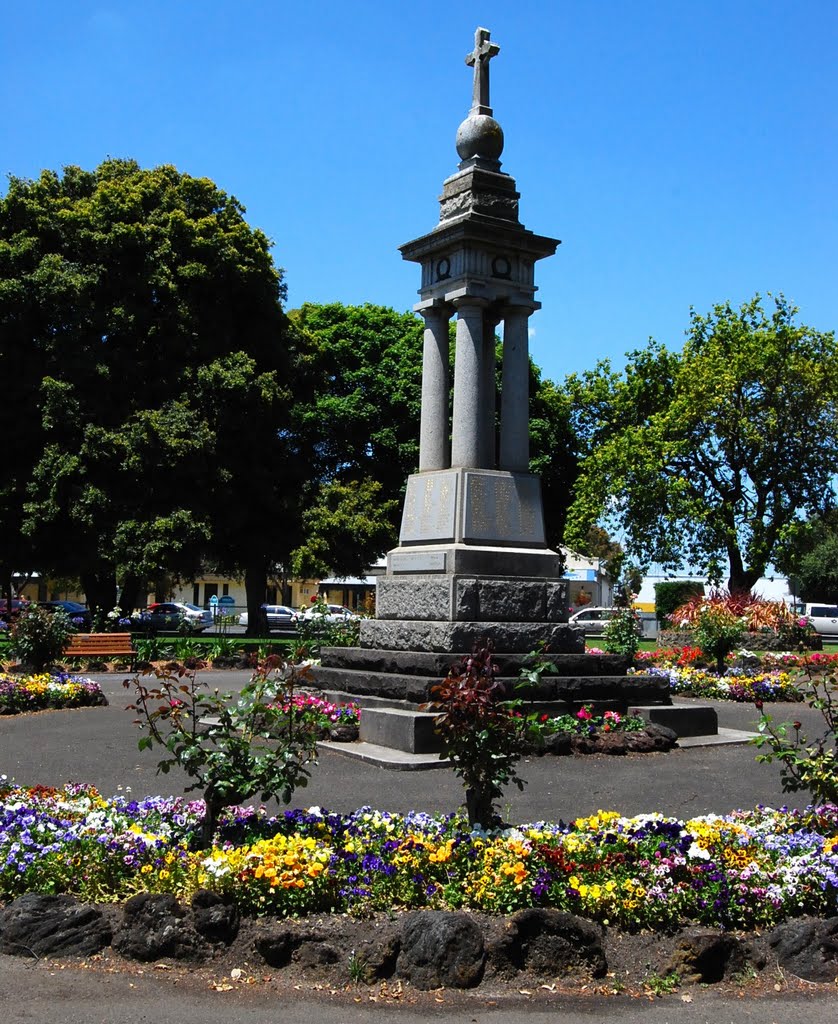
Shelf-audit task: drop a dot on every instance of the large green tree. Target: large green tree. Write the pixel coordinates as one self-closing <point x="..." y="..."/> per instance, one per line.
<point x="710" y="456"/>
<point x="129" y="298"/>
<point x="810" y="558"/>
<point x="359" y="422"/>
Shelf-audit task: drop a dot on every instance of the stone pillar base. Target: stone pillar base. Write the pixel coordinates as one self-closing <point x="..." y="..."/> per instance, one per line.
<point x="459" y="597"/>
<point x="459" y="638"/>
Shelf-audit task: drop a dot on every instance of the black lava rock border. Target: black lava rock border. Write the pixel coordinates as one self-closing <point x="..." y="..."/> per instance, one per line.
<point x="425" y="948"/>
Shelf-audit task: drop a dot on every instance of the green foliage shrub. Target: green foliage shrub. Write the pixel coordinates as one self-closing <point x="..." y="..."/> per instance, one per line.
<point x="318" y="631"/>
<point x="233" y="745"/>
<point x="717" y="633"/>
<point x="806" y="765"/>
<point x="38" y="637"/>
<point x="671" y="594"/>
<point x="622" y="634"/>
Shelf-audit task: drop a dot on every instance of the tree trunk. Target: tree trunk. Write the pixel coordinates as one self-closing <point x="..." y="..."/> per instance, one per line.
<point x="213" y="808"/>
<point x="255" y="585"/>
<point x="6" y="590"/>
<point x="128" y="599"/>
<point x="479" y="806"/>
<point x="741" y="580"/>
<point x="99" y="590"/>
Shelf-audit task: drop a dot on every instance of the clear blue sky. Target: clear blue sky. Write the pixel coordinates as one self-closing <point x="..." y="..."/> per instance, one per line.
<point x="685" y="152"/>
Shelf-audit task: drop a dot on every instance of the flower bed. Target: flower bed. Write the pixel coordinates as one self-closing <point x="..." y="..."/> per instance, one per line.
<point x="763" y="686"/>
<point x="745" y="869"/>
<point x="44" y="691"/>
<point x="319" y="714"/>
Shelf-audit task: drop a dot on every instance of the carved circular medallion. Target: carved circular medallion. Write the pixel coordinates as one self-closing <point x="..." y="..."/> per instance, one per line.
<point x="501" y="267"/>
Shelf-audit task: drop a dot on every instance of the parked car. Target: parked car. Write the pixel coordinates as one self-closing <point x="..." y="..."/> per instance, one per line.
<point x="75" y="612"/>
<point x="172" y="615"/>
<point x="279" y="616"/>
<point x="594" y="620"/>
<point x="334" y="613"/>
<point x="17" y="605"/>
<point x="824" y="617"/>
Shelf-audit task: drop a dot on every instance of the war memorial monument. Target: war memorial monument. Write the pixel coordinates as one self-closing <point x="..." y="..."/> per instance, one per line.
<point x="472" y="564"/>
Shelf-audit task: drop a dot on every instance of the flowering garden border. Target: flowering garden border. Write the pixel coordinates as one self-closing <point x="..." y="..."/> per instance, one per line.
<point x="746" y="869"/>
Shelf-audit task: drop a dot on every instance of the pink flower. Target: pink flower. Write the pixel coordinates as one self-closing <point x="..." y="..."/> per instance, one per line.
<point x="583" y="714"/>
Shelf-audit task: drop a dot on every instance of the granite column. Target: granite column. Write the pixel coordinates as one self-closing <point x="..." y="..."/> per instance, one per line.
<point x="467" y="427"/>
<point x="515" y="401"/>
<point x="434" y="450"/>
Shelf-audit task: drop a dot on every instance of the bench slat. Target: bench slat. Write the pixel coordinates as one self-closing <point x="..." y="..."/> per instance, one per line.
<point x="81" y="644"/>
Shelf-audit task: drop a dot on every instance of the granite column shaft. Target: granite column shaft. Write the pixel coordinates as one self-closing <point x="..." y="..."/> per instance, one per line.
<point x="468" y="446"/>
<point x="434" y="450"/>
<point x="515" y="401"/>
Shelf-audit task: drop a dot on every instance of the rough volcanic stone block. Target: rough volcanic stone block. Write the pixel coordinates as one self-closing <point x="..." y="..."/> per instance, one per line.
<point x="411" y="663"/>
<point x="516" y="637"/>
<point x="414" y="597"/>
<point x="38" y="926"/>
<point x="501" y="600"/>
<point x="440" y="949"/>
<point x="469" y="599"/>
<point x="415" y="689"/>
<point x="437" y="663"/>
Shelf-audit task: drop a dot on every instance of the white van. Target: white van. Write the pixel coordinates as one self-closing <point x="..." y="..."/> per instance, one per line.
<point x="824" y="617"/>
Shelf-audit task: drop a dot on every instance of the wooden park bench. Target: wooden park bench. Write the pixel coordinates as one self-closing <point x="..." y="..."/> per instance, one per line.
<point x="102" y="646"/>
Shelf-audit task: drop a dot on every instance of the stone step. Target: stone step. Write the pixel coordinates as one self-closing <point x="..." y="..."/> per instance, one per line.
<point x="684" y="719"/>
<point x="638" y="689"/>
<point x="442" y="637"/>
<point x="413" y="731"/>
<point x="437" y="664"/>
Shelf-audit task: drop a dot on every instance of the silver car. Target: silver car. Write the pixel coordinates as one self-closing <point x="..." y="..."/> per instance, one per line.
<point x="279" y="616"/>
<point x="594" y="620"/>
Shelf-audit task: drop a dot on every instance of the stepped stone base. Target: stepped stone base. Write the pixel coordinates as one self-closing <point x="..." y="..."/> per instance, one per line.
<point x="465" y="598"/>
<point x="460" y="637"/>
<point x="618" y="691"/>
<point x="437" y="663"/>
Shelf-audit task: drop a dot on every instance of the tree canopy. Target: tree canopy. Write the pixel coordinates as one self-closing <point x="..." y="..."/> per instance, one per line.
<point x="137" y="309"/>
<point x="810" y="558"/>
<point x="711" y="456"/>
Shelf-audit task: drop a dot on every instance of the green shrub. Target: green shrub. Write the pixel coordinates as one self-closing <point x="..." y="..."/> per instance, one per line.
<point x="233" y="745"/>
<point x="717" y="633"/>
<point x="318" y="631"/>
<point x="38" y="637"/>
<point x="671" y="594"/>
<point x="806" y="765"/>
<point x="622" y="634"/>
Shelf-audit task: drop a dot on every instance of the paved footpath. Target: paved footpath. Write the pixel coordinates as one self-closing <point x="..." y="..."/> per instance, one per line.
<point x="99" y="745"/>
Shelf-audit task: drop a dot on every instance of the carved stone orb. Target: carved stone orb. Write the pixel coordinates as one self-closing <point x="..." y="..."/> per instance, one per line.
<point x="479" y="136"/>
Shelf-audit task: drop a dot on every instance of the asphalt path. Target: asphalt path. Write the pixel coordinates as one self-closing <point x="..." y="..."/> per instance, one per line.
<point x="99" y="745"/>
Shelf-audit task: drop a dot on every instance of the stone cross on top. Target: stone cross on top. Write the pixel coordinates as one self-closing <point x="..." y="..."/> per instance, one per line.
<point x="479" y="59"/>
